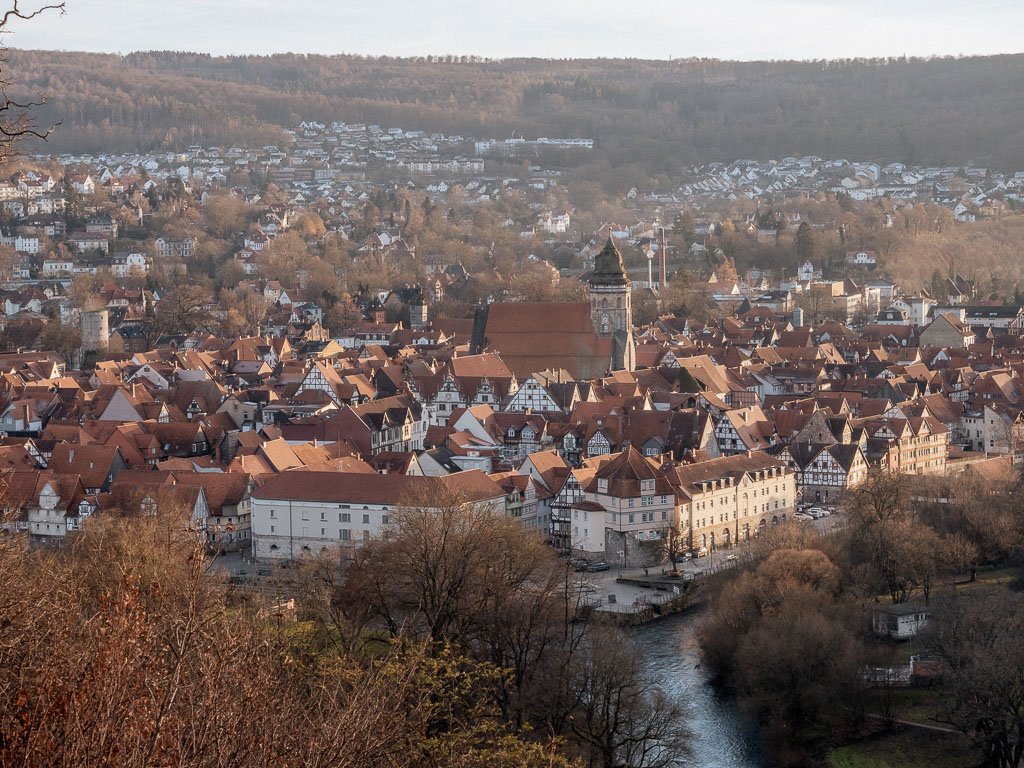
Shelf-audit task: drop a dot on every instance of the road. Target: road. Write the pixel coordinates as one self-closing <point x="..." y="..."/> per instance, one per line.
<point x="603" y="584"/>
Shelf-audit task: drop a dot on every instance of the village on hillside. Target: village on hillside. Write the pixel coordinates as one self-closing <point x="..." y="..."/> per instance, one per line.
<point x="606" y="432"/>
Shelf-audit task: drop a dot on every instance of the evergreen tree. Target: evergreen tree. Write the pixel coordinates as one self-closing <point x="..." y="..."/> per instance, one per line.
<point x="806" y="243"/>
<point x="686" y="383"/>
<point x="939" y="290"/>
<point x="683" y="225"/>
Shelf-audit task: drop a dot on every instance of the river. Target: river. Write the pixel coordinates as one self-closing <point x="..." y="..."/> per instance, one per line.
<point x="720" y="737"/>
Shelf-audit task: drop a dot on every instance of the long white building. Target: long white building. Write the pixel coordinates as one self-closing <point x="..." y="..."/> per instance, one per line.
<point x="301" y="513"/>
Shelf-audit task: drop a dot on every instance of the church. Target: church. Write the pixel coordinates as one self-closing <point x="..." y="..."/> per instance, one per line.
<point x="586" y="339"/>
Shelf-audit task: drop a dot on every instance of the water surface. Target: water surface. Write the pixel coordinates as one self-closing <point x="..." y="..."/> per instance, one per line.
<point x="721" y="739"/>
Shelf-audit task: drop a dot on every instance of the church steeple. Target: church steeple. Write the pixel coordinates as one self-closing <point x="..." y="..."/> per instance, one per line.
<point x="611" y="306"/>
<point x="608" y="267"/>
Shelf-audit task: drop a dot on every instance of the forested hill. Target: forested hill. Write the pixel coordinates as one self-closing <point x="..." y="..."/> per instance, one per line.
<point x="655" y="113"/>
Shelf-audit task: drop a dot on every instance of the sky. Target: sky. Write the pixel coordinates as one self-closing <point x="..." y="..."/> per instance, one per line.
<point x="651" y="29"/>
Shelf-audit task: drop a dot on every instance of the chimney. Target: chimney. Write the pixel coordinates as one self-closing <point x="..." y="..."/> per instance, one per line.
<point x="663" y="273"/>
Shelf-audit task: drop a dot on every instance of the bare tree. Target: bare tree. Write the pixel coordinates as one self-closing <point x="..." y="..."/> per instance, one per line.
<point x="675" y="542"/>
<point x="978" y="636"/>
<point x="16" y="121"/>
<point x="124" y="651"/>
<point x="621" y="717"/>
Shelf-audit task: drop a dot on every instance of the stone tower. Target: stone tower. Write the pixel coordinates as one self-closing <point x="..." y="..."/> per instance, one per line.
<point x="418" y="315"/>
<point x="95" y="330"/>
<point x="610" y="307"/>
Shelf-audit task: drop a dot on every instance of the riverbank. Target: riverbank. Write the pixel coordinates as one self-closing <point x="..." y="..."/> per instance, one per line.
<point x="906" y="746"/>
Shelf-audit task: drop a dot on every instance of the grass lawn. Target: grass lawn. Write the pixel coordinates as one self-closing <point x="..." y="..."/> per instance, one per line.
<point x="995" y="577"/>
<point x="908" y="748"/>
<point x="920" y="705"/>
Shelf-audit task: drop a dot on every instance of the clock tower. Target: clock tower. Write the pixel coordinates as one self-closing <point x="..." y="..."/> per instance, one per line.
<point x="611" y="310"/>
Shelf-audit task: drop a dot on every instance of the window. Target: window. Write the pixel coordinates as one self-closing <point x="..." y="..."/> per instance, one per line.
<point x="366" y="519"/>
<point x="271" y="514"/>
<point x="305" y="514"/>
<point x="384" y="519"/>
<point x="631" y="517"/>
<point x="323" y="515"/>
<point x="271" y="529"/>
<point x="346" y="534"/>
<point x="344" y="517"/>
<point x="631" y="501"/>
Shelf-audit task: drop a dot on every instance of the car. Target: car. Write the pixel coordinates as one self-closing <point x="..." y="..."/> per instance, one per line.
<point x="593" y="567"/>
<point x="802" y="516"/>
<point x="816" y="512"/>
<point x="730" y="558"/>
<point x="702" y="552"/>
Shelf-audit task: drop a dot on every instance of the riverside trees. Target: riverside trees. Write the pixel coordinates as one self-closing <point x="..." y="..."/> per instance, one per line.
<point x="465" y="578"/>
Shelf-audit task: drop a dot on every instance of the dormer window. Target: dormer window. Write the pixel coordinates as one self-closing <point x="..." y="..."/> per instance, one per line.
<point x="602" y="485"/>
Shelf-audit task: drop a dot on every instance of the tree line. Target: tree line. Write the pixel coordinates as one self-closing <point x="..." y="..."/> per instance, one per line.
<point x="792" y="634"/>
<point x="453" y="641"/>
<point x="655" y="113"/>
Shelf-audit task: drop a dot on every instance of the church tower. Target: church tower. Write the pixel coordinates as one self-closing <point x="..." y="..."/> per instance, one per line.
<point x="611" y="308"/>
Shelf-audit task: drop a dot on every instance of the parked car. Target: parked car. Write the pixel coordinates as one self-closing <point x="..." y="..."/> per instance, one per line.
<point x="598" y="567"/>
<point x="816" y="512"/>
<point x="578" y="565"/>
<point x="802" y="516"/>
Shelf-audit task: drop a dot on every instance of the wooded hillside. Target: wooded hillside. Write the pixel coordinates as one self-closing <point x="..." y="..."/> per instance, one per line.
<point x="655" y="113"/>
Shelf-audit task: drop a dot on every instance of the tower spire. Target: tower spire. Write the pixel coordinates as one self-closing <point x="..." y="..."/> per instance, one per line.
<point x="609" y="268"/>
